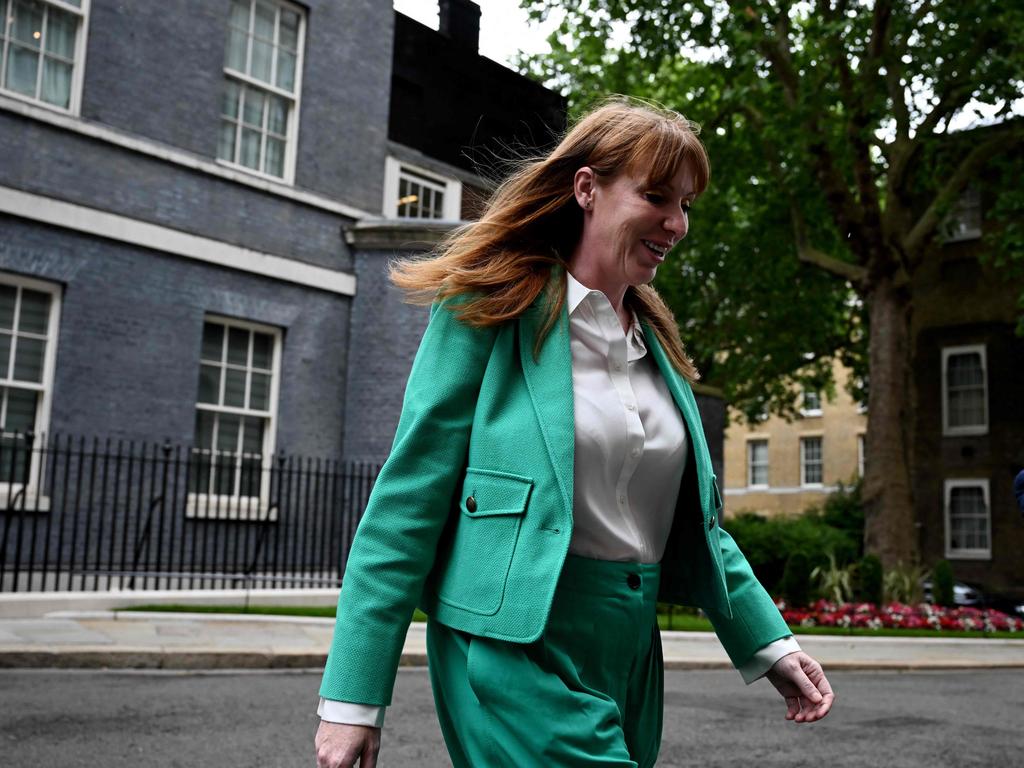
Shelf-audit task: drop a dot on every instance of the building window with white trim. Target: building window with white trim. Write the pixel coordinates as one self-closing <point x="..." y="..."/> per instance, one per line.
<point x="29" y="316"/>
<point x="235" y="417"/>
<point x="964" y="391"/>
<point x="963" y="222"/>
<point x="416" y="193"/>
<point x="757" y="463"/>
<point x="968" y="519"/>
<point x="43" y="49"/>
<point x="810" y="403"/>
<point x="262" y="70"/>
<point x="811" y="461"/>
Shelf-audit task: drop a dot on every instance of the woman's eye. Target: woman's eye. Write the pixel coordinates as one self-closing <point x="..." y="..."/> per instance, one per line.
<point x="654" y="197"/>
<point x="686" y="207"/>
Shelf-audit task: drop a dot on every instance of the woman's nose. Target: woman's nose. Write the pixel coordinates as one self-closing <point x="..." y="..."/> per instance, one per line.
<point x="677" y="224"/>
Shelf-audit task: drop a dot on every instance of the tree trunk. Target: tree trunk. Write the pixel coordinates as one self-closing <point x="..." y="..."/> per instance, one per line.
<point x="890" y="531"/>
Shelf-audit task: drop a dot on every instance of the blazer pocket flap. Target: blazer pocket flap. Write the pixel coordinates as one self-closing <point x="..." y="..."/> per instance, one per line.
<point x="487" y="492"/>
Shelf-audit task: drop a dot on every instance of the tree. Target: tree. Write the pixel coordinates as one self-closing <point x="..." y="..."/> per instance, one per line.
<point x="829" y="124"/>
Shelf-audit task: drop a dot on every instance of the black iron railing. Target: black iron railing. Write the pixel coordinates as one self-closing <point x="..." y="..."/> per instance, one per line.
<point x="79" y="514"/>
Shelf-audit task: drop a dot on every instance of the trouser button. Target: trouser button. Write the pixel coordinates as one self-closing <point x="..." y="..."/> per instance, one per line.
<point x="633" y="580"/>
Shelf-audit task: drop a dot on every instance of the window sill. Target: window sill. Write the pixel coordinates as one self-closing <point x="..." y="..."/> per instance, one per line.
<point x="969" y="554"/>
<point x="965" y="431"/>
<point x="243" y="509"/>
<point x="26" y="501"/>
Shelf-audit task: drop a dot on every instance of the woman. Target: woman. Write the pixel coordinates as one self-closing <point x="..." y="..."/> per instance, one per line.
<point x="549" y="480"/>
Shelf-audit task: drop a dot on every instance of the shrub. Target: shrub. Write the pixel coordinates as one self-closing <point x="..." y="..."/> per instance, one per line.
<point x="796" y="579"/>
<point x="902" y="584"/>
<point x="768" y="543"/>
<point x="869" y="581"/>
<point x="835" y="582"/>
<point x="942" y="583"/>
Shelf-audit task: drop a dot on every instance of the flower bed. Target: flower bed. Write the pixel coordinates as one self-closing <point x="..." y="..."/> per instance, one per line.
<point x="899" y="616"/>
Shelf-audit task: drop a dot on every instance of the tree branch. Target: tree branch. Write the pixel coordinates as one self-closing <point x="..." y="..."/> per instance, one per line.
<point x="811" y="255"/>
<point x="925" y="226"/>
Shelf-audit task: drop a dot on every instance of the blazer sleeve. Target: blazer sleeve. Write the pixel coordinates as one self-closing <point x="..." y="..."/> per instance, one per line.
<point x="394" y="547"/>
<point x="755" y="621"/>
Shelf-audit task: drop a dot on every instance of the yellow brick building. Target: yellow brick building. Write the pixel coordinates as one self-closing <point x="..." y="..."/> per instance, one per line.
<point x="779" y="467"/>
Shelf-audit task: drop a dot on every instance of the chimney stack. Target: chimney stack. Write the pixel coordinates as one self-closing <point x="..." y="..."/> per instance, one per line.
<point x="460" y="22"/>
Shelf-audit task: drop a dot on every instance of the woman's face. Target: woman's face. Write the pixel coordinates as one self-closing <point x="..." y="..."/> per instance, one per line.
<point x="629" y="226"/>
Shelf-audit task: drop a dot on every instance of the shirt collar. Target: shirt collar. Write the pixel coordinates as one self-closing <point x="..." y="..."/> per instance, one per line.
<point x="577" y="293"/>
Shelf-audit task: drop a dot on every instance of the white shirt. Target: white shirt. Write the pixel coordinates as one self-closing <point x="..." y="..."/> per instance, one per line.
<point x="630" y="454"/>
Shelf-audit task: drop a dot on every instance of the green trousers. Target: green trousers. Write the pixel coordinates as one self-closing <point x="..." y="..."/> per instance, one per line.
<point x="587" y="693"/>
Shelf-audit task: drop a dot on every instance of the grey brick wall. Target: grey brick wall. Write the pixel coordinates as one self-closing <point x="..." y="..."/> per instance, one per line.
<point x="77" y="169"/>
<point x="155" y="69"/>
<point x="131" y="324"/>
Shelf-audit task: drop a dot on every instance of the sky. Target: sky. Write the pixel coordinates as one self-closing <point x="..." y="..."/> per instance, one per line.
<point x="504" y="27"/>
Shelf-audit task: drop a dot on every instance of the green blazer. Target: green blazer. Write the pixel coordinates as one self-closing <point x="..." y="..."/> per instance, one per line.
<point x="482" y="419"/>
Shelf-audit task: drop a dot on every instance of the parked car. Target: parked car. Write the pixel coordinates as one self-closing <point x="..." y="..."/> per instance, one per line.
<point x="963" y="594"/>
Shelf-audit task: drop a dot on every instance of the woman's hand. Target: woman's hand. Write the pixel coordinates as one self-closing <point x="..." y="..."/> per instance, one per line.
<point x="343" y="746"/>
<point x="801" y="681"/>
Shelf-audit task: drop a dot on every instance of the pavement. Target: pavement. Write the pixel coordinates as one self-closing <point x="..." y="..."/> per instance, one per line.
<point x="158" y="640"/>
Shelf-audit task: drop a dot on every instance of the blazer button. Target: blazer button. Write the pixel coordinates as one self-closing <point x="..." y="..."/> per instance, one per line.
<point x="712" y="522"/>
<point x="471" y="504"/>
<point x="633" y="580"/>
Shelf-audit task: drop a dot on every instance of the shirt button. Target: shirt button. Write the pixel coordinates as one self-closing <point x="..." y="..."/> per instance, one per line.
<point x="636" y="451"/>
<point x="618" y="367"/>
<point x="631" y="407"/>
<point x="622" y="499"/>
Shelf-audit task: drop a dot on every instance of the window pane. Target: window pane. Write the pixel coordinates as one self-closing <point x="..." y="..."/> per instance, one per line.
<point x="262" y="57"/>
<point x="264" y="21"/>
<point x="21" y="70"/>
<point x="277" y="121"/>
<point x="238" y="346"/>
<point x="8" y="295"/>
<point x="965" y="370"/>
<point x="234" y="388"/>
<point x="252" y="441"/>
<point x="60" y="33"/>
<point x="28" y="359"/>
<point x="240" y="14"/>
<point x="252" y="112"/>
<point x="35" y="311"/>
<point x="224" y="475"/>
<point x="28" y="22"/>
<point x="209" y="384"/>
<point x="237" y="42"/>
<point x="285" y="70"/>
<point x="204" y="429"/>
<point x="227" y="432"/>
<point x="250" y="155"/>
<point x="288" y="37"/>
<point x="261" y="350"/>
<point x="21" y="410"/>
<point x="250" y="477"/>
<point x="275" y="157"/>
<point x="56" y="87"/>
<point x="259" y="392"/>
<point x="226" y="141"/>
<point x="438" y="205"/>
<point x="232" y="95"/>
<point x="213" y="342"/>
<point x="5" y="355"/>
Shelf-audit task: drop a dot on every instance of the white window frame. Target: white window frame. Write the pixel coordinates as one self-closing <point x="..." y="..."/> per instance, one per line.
<point x="861" y="445"/>
<point x="252" y="508"/>
<point x="967" y="554"/>
<point x="452" y="190"/>
<point x="803" y="461"/>
<point x="971" y="429"/>
<point x="804" y="411"/>
<point x="963" y="222"/>
<point x="77" y="68"/>
<point x="45" y="403"/>
<point x="751" y="441"/>
<point x="292" y="134"/>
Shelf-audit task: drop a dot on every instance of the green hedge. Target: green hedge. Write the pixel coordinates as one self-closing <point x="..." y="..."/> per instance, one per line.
<point x="837" y="527"/>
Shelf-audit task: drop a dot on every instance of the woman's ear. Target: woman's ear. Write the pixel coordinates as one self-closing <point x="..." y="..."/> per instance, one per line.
<point x="583" y="185"/>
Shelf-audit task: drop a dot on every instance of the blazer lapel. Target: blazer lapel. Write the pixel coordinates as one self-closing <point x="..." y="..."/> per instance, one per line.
<point x="683" y="396"/>
<point x="549" y="381"/>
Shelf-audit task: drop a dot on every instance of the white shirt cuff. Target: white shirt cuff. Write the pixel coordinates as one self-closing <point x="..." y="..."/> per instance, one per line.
<point x="765" y="658"/>
<point x="347" y="713"/>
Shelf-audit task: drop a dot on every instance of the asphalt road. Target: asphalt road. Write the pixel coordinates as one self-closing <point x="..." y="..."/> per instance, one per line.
<point x="67" y="719"/>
